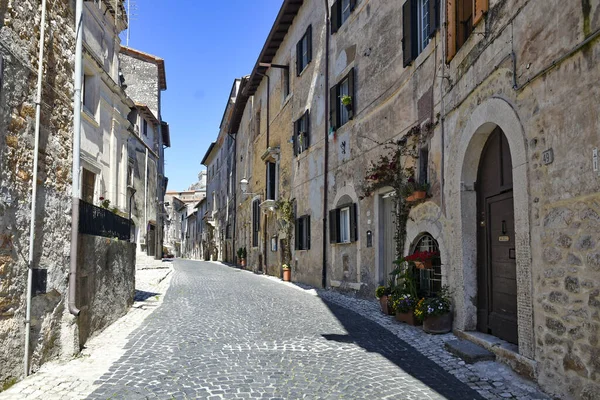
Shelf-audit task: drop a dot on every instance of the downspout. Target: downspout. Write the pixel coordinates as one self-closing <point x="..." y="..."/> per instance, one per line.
<point x="265" y="236"/>
<point x="146" y="199"/>
<point x="76" y="150"/>
<point x="326" y="166"/>
<point x="159" y="199"/>
<point x="38" y="110"/>
<point x="443" y="30"/>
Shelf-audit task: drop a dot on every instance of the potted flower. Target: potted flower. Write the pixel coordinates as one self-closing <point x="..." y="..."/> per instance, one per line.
<point x="404" y="304"/>
<point x="383" y="294"/>
<point x="287" y="273"/>
<point x="241" y="253"/>
<point x="420" y="191"/>
<point x="347" y="102"/>
<point x="436" y="313"/>
<point x="422" y="259"/>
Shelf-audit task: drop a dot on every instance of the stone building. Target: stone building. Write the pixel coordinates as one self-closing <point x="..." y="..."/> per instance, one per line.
<point x="145" y="79"/>
<point x="497" y="99"/>
<point x="220" y="163"/>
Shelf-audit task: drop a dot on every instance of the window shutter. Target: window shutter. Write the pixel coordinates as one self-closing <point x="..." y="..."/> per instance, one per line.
<point x="434" y="16"/>
<point x="295" y="138"/>
<point x="298" y="57"/>
<point x="335" y="17"/>
<point x="481" y="8"/>
<point x="450" y="30"/>
<point x="307" y="225"/>
<point x="309" y="43"/>
<point x="307" y="125"/>
<point x="333" y="107"/>
<point x="333" y="226"/>
<point x="353" y="224"/>
<point x="352" y="5"/>
<point x="352" y="93"/>
<point x="297" y="233"/>
<point x="409" y="41"/>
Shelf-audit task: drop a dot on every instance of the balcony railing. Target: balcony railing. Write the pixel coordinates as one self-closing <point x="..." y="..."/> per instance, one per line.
<point x="99" y="221"/>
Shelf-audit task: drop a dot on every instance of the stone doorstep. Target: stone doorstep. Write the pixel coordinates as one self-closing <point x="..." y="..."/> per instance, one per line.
<point x="469" y="351"/>
<point x="505" y="352"/>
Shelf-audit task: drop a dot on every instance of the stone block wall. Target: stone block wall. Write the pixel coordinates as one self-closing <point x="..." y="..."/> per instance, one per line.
<point x="106" y="282"/>
<point x="19" y="51"/>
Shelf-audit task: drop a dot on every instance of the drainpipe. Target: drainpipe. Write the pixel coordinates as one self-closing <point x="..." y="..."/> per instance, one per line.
<point x="38" y="108"/>
<point x="443" y="31"/>
<point x="326" y="166"/>
<point x="266" y="236"/>
<point x="146" y="199"/>
<point x="76" y="150"/>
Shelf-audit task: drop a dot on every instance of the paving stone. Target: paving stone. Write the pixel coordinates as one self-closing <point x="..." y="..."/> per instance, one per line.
<point x="468" y="351"/>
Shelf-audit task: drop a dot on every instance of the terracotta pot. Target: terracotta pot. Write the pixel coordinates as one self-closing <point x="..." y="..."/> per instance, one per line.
<point x="438" y="323"/>
<point x="287" y="275"/>
<point x="407" y="317"/>
<point x="386" y="305"/>
<point x="243" y="262"/>
<point x="426" y="264"/>
<point x="419" y="195"/>
<point x="410" y="198"/>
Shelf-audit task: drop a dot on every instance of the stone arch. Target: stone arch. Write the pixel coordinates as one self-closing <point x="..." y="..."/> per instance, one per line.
<point x="347" y="190"/>
<point x="462" y="200"/>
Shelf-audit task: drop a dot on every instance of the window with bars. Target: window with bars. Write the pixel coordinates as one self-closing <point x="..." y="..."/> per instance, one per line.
<point x="429" y="281"/>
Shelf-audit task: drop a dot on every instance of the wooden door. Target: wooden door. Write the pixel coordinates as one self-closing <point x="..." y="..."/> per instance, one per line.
<point x="496" y="273"/>
<point x="388" y="232"/>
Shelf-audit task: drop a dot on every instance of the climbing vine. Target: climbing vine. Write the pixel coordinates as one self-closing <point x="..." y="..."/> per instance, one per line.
<point x="285" y="219"/>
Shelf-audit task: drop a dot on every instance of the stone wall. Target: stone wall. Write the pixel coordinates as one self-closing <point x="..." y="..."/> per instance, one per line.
<point x="141" y="78"/>
<point x="51" y="331"/>
<point x="106" y="282"/>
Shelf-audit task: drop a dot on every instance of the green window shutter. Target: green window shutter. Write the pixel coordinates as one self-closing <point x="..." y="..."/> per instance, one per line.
<point x="335" y="17"/>
<point x="352" y="93"/>
<point x="333" y="107"/>
<point x="307" y="133"/>
<point x="353" y="223"/>
<point x="309" y="43"/>
<point x="333" y="226"/>
<point x="295" y="137"/>
<point x="409" y="40"/>
<point x="307" y="224"/>
<point x="434" y="16"/>
<point x="298" y="57"/>
<point x="352" y="5"/>
<point x="297" y="233"/>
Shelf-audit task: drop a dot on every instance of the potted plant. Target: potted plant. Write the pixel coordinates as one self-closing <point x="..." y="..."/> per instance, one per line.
<point x="422" y="259"/>
<point x="241" y="253"/>
<point x="347" y="102"/>
<point x="420" y="191"/>
<point x="404" y="304"/>
<point x="436" y="313"/>
<point x="287" y="273"/>
<point x="383" y="294"/>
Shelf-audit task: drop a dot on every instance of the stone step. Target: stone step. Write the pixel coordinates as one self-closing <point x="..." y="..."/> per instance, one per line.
<point x="469" y="351"/>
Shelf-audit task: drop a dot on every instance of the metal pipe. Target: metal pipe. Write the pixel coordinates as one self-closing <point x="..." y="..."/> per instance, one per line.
<point x="326" y="161"/>
<point x="146" y="199"/>
<point x="76" y="162"/>
<point x="38" y="113"/>
<point x="443" y="30"/>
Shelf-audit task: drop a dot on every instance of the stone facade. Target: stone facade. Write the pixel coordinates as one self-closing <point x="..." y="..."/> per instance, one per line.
<point x="518" y="73"/>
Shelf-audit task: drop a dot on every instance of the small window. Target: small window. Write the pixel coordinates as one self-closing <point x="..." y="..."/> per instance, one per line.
<point x="340" y="12"/>
<point x="424" y="165"/>
<point x="420" y="20"/>
<point x="255" y="222"/>
<point x="463" y="15"/>
<point x="88" y="94"/>
<point x="257" y="123"/>
<point x="301" y="138"/>
<point x="303" y="233"/>
<point x="343" y="224"/>
<point x="88" y="185"/>
<point x="342" y="113"/>
<point x="271" y="181"/>
<point x="304" y="51"/>
<point x="285" y="82"/>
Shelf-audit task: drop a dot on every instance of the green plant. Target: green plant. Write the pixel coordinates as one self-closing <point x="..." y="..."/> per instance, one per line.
<point x="285" y="266"/>
<point x="403" y="302"/>
<point x="241" y="253"/>
<point x="286" y="220"/>
<point x="346" y="100"/>
<point x="8" y="383"/>
<point x="439" y="305"/>
<point x="406" y="277"/>
<point x="380" y="291"/>
<point x="104" y="203"/>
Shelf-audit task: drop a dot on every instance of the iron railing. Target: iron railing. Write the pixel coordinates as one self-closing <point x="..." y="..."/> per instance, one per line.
<point x="99" y="221"/>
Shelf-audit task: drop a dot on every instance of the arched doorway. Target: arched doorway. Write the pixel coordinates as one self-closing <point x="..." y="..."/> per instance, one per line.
<point x="496" y="255"/>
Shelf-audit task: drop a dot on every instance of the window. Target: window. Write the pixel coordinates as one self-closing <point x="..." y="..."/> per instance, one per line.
<point x="88" y="184"/>
<point x="340" y="113"/>
<point x="304" y="51"/>
<point x="424" y="165"/>
<point x="130" y="174"/>
<point x="301" y="138"/>
<point x="340" y="12"/>
<point x="420" y="20"/>
<point x="285" y="82"/>
<point x="463" y="15"/>
<point x="343" y="224"/>
<point x="255" y="222"/>
<point x="303" y="233"/>
<point x="88" y="94"/>
<point x="145" y="127"/>
<point x="257" y="123"/>
<point x="271" y="181"/>
<point x="429" y="281"/>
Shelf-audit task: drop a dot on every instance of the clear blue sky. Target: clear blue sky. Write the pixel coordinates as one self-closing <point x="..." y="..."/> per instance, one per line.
<point x="206" y="45"/>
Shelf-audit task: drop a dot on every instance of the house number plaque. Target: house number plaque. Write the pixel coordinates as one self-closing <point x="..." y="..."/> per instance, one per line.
<point x="504" y="239"/>
<point x="548" y="156"/>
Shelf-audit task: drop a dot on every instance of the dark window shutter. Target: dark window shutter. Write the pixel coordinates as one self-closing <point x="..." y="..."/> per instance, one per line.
<point x="295" y="138"/>
<point x="298" y="57"/>
<point x="352" y="5"/>
<point x="307" y="225"/>
<point x="333" y="107"/>
<point x="297" y="233"/>
<point x="409" y="41"/>
<point x="353" y="223"/>
<point x="333" y="226"/>
<point x="307" y="133"/>
<point x="434" y="16"/>
<point x="335" y="17"/>
<point x="309" y="43"/>
<point x="352" y="93"/>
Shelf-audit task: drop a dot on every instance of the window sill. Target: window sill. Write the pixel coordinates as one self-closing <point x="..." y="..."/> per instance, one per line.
<point x="89" y="117"/>
<point x="342" y="243"/>
<point x="304" y="70"/>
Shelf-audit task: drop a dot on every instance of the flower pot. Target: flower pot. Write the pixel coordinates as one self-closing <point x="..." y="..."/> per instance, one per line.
<point x="348" y="106"/>
<point x="287" y="275"/>
<point x="407" y="317"/>
<point x="410" y="198"/>
<point x="386" y="306"/>
<point x="419" y="195"/>
<point x="425" y="264"/>
<point x="437" y="324"/>
<point x="243" y="262"/>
